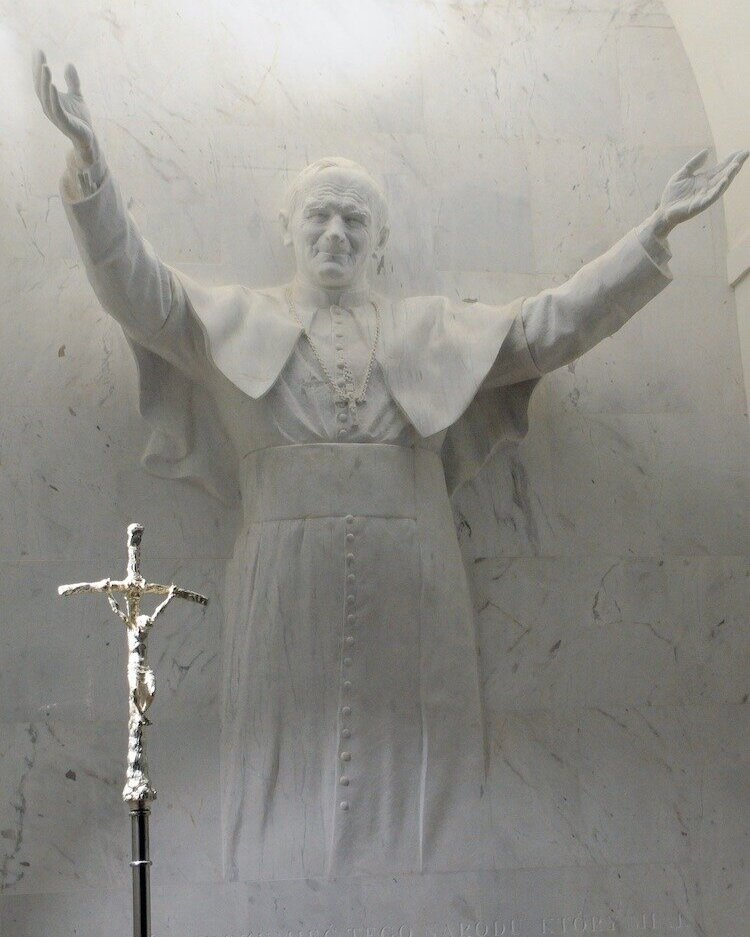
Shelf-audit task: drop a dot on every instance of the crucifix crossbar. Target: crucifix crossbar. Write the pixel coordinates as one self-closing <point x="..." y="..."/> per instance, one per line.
<point x="141" y="681"/>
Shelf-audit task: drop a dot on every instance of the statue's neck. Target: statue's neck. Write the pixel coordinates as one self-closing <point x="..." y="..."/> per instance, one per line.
<point x="310" y="294"/>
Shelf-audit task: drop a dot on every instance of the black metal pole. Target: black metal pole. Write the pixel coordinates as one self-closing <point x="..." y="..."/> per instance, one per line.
<point x="141" y="865"/>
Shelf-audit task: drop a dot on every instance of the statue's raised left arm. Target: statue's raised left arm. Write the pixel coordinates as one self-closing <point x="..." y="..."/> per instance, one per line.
<point x="562" y="323"/>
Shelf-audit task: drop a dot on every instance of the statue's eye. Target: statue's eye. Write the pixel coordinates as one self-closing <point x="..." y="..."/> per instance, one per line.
<point x="354" y="220"/>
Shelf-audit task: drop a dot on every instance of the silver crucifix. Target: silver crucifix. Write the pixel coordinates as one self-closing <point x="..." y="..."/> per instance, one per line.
<point x="138" y="787"/>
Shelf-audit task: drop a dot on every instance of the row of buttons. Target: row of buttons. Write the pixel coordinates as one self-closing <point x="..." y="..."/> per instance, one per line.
<point x="349" y="641"/>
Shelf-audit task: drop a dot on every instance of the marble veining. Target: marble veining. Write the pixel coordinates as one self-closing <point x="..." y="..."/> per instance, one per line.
<point x="608" y="555"/>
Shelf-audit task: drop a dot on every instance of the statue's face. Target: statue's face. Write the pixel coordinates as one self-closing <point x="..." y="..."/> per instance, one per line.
<point x="333" y="229"/>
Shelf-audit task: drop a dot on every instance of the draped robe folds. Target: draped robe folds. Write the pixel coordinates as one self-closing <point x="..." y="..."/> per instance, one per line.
<point x="352" y="729"/>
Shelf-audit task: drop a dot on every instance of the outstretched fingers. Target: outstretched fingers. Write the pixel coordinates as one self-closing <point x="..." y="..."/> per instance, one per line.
<point x="57" y="112"/>
<point x="47" y="95"/>
<point x="740" y="159"/>
<point x="46" y="84"/>
<point x="733" y="169"/>
<point x="736" y="165"/>
<point x="39" y="60"/>
<point x="714" y="192"/>
<point x="72" y="80"/>
<point x="693" y="164"/>
<point x="721" y="181"/>
<point x="731" y="165"/>
<point x="54" y="104"/>
<point x="722" y="166"/>
<point x="40" y="67"/>
<point x="69" y="125"/>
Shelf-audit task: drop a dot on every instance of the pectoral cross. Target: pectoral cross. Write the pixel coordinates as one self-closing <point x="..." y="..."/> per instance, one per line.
<point x="141" y="682"/>
<point x="350" y="398"/>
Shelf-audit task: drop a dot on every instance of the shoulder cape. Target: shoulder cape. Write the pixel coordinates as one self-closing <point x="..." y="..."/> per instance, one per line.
<point x="434" y="355"/>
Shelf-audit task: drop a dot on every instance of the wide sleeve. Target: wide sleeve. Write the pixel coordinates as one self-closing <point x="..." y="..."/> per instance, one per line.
<point x="130" y="281"/>
<point x="548" y="331"/>
<point x="562" y="323"/>
<point x="168" y="339"/>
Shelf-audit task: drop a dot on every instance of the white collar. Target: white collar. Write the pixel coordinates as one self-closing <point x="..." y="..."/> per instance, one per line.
<point x="308" y="299"/>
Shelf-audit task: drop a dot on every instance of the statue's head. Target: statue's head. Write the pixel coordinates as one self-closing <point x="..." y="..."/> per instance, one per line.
<point x="335" y="217"/>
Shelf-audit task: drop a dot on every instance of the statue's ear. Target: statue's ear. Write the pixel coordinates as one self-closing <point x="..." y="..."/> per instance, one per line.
<point x="285" y="232"/>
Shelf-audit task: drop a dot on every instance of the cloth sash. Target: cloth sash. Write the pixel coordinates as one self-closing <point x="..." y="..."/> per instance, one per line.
<point x="332" y="480"/>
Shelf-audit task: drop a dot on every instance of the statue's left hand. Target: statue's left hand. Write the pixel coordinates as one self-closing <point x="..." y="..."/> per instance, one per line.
<point x="689" y="192"/>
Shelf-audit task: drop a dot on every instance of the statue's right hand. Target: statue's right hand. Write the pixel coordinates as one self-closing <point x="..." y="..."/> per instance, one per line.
<point x="67" y="110"/>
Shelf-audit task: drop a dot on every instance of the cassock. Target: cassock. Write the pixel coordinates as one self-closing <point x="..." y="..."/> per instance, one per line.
<point x="352" y="734"/>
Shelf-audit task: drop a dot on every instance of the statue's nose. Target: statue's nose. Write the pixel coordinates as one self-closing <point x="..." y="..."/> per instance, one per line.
<point x="335" y="230"/>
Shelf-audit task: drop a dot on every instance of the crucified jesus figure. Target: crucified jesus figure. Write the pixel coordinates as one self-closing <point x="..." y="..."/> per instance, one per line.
<point x="141" y="681"/>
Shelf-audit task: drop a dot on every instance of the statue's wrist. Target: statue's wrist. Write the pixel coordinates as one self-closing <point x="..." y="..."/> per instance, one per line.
<point x="86" y="172"/>
<point x="88" y="154"/>
<point x="659" y="225"/>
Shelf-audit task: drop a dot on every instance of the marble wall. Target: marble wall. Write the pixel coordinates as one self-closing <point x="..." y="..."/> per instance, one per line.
<point x="610" y="553"/>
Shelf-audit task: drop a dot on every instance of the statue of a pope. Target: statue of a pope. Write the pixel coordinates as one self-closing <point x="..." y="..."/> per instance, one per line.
<point x="352" y="732"/>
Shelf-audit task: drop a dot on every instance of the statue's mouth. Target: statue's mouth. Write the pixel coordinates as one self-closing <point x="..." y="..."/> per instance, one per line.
<point x="328" y="255"/>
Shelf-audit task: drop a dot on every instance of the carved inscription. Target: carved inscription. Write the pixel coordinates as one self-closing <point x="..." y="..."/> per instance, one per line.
<point x="549" y="925"/>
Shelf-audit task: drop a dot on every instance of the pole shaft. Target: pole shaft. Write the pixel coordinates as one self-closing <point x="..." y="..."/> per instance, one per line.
<point x="141" y="866"/>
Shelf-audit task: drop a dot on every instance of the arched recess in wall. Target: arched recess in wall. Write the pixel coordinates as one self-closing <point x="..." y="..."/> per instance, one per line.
<point x="716" y="38"/>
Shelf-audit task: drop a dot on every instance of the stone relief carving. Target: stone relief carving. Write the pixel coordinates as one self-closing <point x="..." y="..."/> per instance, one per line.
<point x="352" y="725"/>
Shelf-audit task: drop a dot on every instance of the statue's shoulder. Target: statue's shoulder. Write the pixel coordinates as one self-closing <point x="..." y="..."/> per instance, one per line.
<point x="233" y="302"/>
<point x="419" y="303"/>
<point x="423" y="312"/>
<point x="241" y="322"/>
<point x="412" y="321"/>
<point x="457" y="307"/>
<point x="437" y="305"/>
<point x="266" y="297"/>
<point x="269" y="300"/>
<point x="249" y="332"/>
<point x="419" y="320"/>
<point x="409" y="309"/>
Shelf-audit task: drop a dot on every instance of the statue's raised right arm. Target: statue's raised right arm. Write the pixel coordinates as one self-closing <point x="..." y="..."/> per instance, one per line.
<point x="130" y="281"/>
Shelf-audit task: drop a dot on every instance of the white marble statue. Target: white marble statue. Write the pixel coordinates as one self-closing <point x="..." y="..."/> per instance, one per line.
<point x="352" y="725"/>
